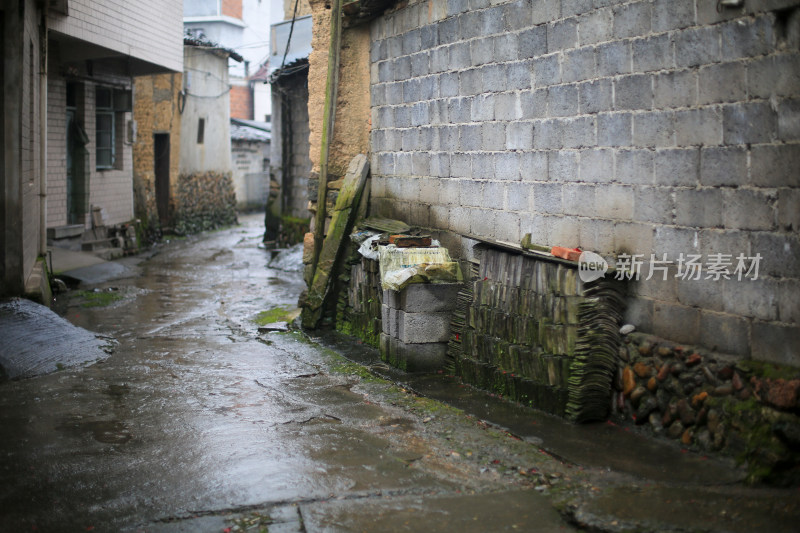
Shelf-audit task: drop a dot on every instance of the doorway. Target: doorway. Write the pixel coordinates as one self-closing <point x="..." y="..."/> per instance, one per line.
<point x="161" y="163"/>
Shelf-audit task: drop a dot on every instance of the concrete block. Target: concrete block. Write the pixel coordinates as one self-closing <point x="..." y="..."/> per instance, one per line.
<point x="652" y="53"/>
<point x="385" y="71"/>
<point x="776" y="343"/>
<point x="613" y="58"/>
<point x="507" y="227"/>
<point x="750" y="298"/>
<point x="722" y="83"/>
<point x="533" y="104"/>
<point x="440" y="165"/>
<point x="429" y="297"/>
<point x="409" y="139"/>
<point x="402" y="117"/>
<point x="774" y="76"/>
<point x="789" y="120"/>
<point x="749" y="209"/>
<point x="533" y="166"/>
<point x="653" y="204"/>
<point x="579" y="132"/>
<point x="517" y="15"/>
<point x="460" y="110"/>
<point x="747" y="37"/>
<point x="495" y="78"/>
<point x="576" y="7"/>
<point x="532" y="42"/>
<point x="403" y="164"/>
<point x="699" y="208"/>
<point x="401" y="67"/>
<point x="520" y="197"/>
<point x="507" y="166"/>
<point x="675" y="241"/>
<point x="675" y="89"/>
<point x="482" y="166"/>
<point x="429" y="87"/>
<point x="579" y="199"/>
<point x="675" y="322"/>
<point x="614" y="202"/>
<point x="518" y="76"/>
<point x="578" y="65"/>
<point x="493" y="135"/>
<point x="427" y="357"/>
<point x="411" y="42"/>
<point x="780" y="254"/>
<point x="448" y="30"/>
<point x="595" y="26"/>
<point x="698" y="127"/>
<point x="448" y="138"/>
<point x="519" y="136"/>
<point x="454" y="7"/>
<point x="725" y="333"/>
<point x="596" y="96"/>
<point x="471" y="193"/>
<point x="597" y="166"/>
<point x="548" y="135"/>
<point x="470" y="82"/>
<point x="483" y="223"/>
<point x="789" y="209"/>
<point x="547" y="198"/>
<point x="482" y="108"/>
<point x="677" y="167"/>
<point x="745" y="123"/>
<point x="460" y="165"/>
<point x="394" y="93"/>
<point x="545" y="10"/>
<point x="614" y="129"/>
<point x="440" y="60"/>
<point x="633" y="92"/>
<point x="670" y="15"/>
<point x="491" y="21"/>
<point x="420" y="114"/>
<point x="420" y="164"/>
<point x="563" y="166"/>
<point x="507" y="106"/>
<point x="429" y="36"/>
<point x="631" y="20"/>
<point x="654" y="129"/>
<point x="546" y="70"/>
<point x="697" y="46"/>
<point x="494" y="195"/>
<point x="562" y="35"/>
<point x="723" y="166"/>
<point x="775" y="165"/>
<point x="506" y="47"/>
<point x="470" y="137"/>
<point x="481" y="51"/>
<point x="562" y="100"/>
<point x="788" y="293"/>
<point x="411" y="93"/>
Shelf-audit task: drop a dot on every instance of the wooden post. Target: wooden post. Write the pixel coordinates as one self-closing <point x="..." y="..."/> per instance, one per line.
<point x="328" y="119"/>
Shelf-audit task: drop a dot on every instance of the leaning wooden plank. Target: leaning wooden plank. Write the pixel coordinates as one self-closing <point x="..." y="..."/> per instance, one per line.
<point x="328" y="121"/>
<point x="341" y="223"/>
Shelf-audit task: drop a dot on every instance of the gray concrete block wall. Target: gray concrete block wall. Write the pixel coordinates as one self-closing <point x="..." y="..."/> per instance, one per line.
<point x="640" y="127"/>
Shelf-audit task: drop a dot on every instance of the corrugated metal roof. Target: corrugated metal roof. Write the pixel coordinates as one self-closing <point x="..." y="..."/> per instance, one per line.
<point x="250" y="130"/>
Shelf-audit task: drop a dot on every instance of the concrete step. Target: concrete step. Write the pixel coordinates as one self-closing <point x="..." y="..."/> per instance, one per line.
<point x="98" y="244"/>
<point x="65" y="232"/>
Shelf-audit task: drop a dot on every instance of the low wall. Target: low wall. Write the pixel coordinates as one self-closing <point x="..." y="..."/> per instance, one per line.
<point x="204" y="201"/>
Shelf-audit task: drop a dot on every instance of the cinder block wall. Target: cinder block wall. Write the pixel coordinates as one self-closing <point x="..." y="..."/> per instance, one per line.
<point x="641" y="127"/>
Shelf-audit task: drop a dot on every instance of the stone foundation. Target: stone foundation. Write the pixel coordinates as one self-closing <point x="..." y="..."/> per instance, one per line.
<point x="712" y="402"/>
<point x="204" y="201"/>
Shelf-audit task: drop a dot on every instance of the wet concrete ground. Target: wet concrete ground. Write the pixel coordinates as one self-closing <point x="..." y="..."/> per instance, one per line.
<point x="199" y="423"/>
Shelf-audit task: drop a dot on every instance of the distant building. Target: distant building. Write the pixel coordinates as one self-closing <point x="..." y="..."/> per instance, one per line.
<point x="67" y="126"/>
<point x="242" y="26"/>
<point x="250" y="151"/>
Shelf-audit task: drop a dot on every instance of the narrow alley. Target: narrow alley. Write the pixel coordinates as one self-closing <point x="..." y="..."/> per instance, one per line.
<point x="198" y="422"/>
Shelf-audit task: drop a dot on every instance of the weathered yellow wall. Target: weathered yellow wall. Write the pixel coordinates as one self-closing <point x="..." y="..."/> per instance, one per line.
<point x="155" y="111"/>
<point x="352" y="123"/>
<point x="303" y="9"/>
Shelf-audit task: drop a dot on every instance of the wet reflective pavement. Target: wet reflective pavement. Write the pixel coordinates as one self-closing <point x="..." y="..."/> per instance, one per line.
<point x="196" y="420"/>
<point x="199" y="423"/>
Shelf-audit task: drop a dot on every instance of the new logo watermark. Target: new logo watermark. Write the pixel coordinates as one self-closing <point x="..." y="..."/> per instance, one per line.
<point x="592" y="266"/>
